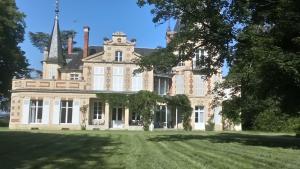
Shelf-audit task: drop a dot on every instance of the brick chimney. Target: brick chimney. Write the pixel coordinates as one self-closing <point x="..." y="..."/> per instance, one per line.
<point x="86" y="31"/>
<point x="70" y="44"/>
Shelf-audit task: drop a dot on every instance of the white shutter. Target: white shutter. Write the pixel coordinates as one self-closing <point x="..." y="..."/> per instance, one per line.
<point x="199" y="85"/>
<point x="217" y="115"/>
<point x="179" y="84"/>
<point x="118" y="81"/>
<point x="46" y="106"/>
<point x="98" y="78"/>
<point x="76" y="112"/>
<point x="56" y="111"/>
<point x="25" y="111"/>
<point x="137" y="82"/>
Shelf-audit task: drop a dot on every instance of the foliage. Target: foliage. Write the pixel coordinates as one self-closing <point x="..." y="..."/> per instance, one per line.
<point x="12" y="59"/>
<point x="144" y="103"/>
<point x="183" y="105"/>
<point x="83" y="110"/>
<point x="200" y="21"/>
<point x="258" y="39"/>
<point x="210" y="126"/>
<point x="4" y="122"/>
<point x="231" y="111"/>
<point x="115" y="99"/>
<point x="40" y="40"/>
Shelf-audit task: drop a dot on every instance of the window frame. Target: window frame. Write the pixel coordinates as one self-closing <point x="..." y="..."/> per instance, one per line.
<point x="38" y="106"/>
<point x="74" y="76"/>
<point x="67" y="107"/>
<point x="118" y="56"/>
<point x="99" y="111"/>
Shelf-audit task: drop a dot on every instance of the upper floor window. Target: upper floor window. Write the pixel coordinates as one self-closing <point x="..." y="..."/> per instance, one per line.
<point x="181" y="63"/>
<point x="118" y="56"/>
<point x="36" y="111"/>
<point x="161" y="85"/>
<point x="199" y="58"/>
<point x="74" y="76"/>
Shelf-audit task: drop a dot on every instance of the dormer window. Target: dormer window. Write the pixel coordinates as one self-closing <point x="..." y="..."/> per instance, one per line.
<point x="74" y="76"/>
<point x="118" y="56"/>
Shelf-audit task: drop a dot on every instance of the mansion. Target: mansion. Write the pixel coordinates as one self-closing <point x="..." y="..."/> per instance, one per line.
<point x="70" y="81"/>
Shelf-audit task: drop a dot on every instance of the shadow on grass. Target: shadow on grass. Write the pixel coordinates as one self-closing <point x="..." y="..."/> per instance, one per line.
<point x="54" y="150"/>
<point x="246" y="139"/>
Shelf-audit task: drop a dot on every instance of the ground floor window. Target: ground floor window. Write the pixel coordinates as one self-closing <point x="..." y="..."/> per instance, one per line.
<point x="199" y="114"/>
<point x="97" y="110"/>
<point x="135" y="119"/>
<point x="66" y="111"/>
<point x="36" y="111"/>
<point x="117" y="114"/>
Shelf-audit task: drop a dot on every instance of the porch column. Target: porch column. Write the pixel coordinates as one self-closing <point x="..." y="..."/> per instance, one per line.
<point x="176" y="118"/>
<point x="166" y="116"/>
<point x="106" y="115"/>
<point x="126" y="117"/>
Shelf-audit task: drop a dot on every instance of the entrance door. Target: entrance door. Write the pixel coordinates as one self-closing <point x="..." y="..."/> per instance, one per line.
<point x="117" y="121"/>
<point x="199" y="118"/>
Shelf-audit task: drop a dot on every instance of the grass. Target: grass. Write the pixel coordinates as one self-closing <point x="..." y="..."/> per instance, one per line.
<point x="136" y="149"/>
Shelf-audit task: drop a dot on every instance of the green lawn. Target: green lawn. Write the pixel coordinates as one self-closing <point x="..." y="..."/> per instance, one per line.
<point x="136" y="149"/>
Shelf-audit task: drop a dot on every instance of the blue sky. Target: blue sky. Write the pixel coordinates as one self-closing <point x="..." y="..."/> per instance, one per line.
<point x="103" y="17"/>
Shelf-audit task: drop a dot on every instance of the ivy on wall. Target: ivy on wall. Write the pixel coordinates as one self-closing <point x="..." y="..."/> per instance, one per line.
<point x="144" y="103"/>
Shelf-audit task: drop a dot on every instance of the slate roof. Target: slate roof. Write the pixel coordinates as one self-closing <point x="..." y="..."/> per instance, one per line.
<point x="177" y="26"/>
<point x="76" y="58"/>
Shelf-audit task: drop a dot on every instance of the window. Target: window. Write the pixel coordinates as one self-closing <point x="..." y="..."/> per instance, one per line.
<point x="118" y="56"/>
<point x="135" y="117"/>
<point x="181" y="63"/>
<point x="199" y="85"/>
<point x="137" y="82"/>
<point x="66" y="111"/>
<point x="36" y="111"/>
<point x="118" y="79"/>
<point x="52" y="72"/>
<point x="99" y="82"/>
<point x="199" y="58"/>
<point x="74" y="76"/>
<point x="161" y="85"/>
<point x="179" y="84"/>
<point x="199" y="114"/>
<point x="97" y="110"/>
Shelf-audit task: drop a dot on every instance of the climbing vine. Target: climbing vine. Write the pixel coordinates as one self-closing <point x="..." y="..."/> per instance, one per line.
<point x="144" y="103"/>
<point x="183" y="105"/>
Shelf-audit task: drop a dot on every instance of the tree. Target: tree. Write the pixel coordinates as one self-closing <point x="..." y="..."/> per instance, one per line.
<point x="260" y="39"/>
<point x="12" y="59"/>
<point x="202" y="21"/>
<point x="40" y="40"/>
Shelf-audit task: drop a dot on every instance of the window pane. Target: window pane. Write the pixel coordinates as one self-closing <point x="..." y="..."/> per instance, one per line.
<point x="196" y="117"/>
<point x="70" y="103"/>
<point x="63" y="103"/>
<point x="40" y="113"/>
<point x="63" y="115"/>
<point x="69" y="115"/>
<point x="114" y="114"/>
<point x="120" y="114"/>
<point x="201" y="117"/>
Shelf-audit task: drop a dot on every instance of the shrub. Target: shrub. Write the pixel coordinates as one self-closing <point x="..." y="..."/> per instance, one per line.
<point x="4" y="122"/>
<point x="276" y="122"/>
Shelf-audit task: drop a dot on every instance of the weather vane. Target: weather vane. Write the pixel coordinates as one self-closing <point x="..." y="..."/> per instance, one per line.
<point x="57" y="8"/>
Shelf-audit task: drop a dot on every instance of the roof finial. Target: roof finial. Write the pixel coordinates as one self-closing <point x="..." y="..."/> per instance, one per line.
<point x="56" y="9"/>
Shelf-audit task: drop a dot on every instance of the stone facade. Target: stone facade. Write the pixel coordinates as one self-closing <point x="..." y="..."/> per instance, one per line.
<point x="55" y="101"/>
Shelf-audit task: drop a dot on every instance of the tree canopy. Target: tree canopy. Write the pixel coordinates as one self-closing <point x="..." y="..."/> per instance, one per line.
<point x="260" y="40"/>
<point x="12" y="59"/>
<point x="40" y="40"/>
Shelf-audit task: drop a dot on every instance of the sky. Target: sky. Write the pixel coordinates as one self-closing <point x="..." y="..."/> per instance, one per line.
<point x="104" y="17"/>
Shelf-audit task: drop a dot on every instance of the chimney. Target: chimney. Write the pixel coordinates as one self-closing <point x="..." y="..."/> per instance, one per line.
<point x="70" y="44"/>
<point x="86" y="31"/>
